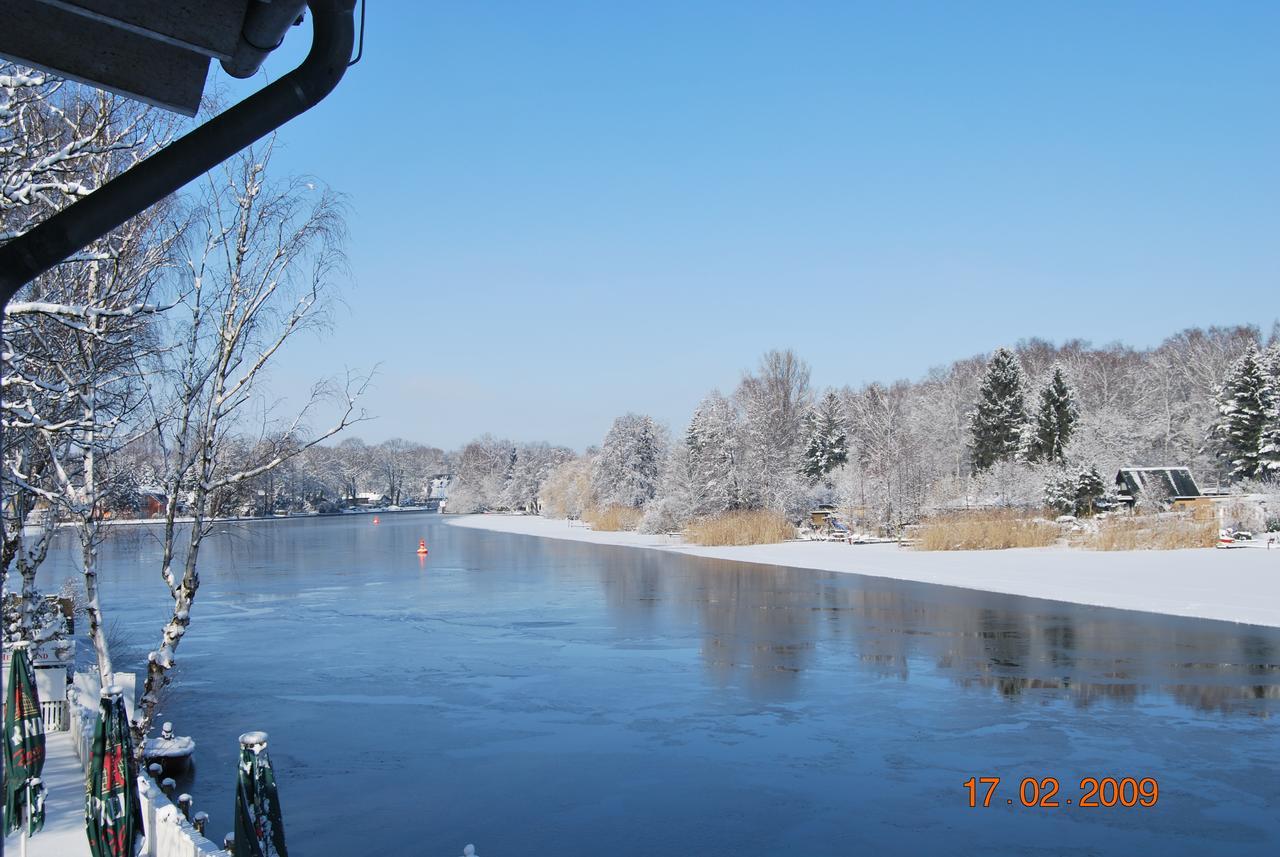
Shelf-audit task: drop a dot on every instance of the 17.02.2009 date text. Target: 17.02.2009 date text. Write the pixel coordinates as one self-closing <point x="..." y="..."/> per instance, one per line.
<point x="1045" y="792"/>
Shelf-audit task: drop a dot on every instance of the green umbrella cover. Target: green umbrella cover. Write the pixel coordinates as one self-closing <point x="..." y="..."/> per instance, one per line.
<point x="259" y="829"/>
<point x="23" y="746"/>
<point x="112" y="815"/>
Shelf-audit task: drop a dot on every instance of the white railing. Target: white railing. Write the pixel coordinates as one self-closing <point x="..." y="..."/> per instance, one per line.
<point x="80" y="723"/>
<point x="168" y="833"/>
<point x="55" y="715"/>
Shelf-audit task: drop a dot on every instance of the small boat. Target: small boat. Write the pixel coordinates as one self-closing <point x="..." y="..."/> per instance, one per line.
<point x="171" y="752"/>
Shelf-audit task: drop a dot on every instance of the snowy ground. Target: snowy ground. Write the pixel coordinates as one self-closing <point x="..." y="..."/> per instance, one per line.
<point x="63" y="834"/>
<point x="1239" y="585"/>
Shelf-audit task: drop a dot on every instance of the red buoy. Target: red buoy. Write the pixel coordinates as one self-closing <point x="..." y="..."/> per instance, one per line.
<point x="422" y="546"/>
<point x="375" y="519"/>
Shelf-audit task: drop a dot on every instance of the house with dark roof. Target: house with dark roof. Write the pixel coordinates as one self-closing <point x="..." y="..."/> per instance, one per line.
<point x="1167" y="485"/>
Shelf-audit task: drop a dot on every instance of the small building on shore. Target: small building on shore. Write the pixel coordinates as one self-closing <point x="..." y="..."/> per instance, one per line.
<point x="1172" y="487"/>
<point x="438" y="487"/>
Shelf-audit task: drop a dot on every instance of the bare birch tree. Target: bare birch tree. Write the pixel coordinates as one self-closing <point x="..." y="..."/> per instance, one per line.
<point x="71" y="336"/>
<point x="262" y="264"/>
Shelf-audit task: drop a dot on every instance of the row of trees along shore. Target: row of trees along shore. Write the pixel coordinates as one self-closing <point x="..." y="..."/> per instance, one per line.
<point x="143" y="356"/>
<point x="139" y="364"/>
<point x="1035" y="425"/>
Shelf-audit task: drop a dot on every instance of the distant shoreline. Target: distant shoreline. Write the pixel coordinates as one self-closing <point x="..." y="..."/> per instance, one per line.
<point x="1240" y="586"/>
<point x="186" y="519"/>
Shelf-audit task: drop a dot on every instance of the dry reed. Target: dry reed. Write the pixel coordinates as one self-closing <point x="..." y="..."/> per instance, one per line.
<point x="1195" y="529"/>
<point x="986" y="530"/>
<point x="757" y="527"/>
<point x="612" y="519"/>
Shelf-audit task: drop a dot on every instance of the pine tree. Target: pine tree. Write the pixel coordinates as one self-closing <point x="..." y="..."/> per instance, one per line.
<point x="1269" y="446"/>
<point x="1060" y="491"/>
<point x="714" y="454"/>
<point x="998" y="424"/>
<point x="1269" y="450"/>
<point x="1245" y="401"/>
<point x="1055" y="421"/>
<point x="1089" y="488"/>
<point x="827" y="445"/>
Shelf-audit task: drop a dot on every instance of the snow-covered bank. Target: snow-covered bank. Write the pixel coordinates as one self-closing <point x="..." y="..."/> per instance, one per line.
<point x="1231" y="585"/>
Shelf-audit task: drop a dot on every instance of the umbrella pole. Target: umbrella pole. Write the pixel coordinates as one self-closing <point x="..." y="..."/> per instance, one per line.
<point x="22" y="848"/>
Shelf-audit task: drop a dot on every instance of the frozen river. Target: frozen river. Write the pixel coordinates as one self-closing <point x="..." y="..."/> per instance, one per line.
<point x="542" y="697"/>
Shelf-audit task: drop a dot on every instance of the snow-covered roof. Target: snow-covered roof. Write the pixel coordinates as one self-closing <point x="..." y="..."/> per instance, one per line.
<point x="1163" y="482"/>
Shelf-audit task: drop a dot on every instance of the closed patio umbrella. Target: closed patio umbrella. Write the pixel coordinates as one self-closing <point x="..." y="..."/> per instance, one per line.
<point x="259" y="828"/>
<point x="112" y="815"/>
<point x="23" y="748"/>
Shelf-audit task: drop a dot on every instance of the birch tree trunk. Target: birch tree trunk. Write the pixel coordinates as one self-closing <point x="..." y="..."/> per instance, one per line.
<point x="262" y="273"/>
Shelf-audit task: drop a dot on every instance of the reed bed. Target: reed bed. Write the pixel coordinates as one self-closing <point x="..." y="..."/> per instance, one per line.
<point x="612" y="519"/>
<point x="756" y="527"/>
<point x="1195" y="529"/>
<point x="987" y="530"/>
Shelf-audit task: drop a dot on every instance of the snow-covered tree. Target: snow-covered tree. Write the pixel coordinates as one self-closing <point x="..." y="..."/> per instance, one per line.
<point x="566" y="492"/>
<point x="75" y="337"/>
<point x="1009" y="483"/>
<point x="941" y="409"/>
<point x="714" y="443"/>
<point x="1269" y="444"/>
<point x="827" y="443"/>
<point x="1060" y="492"/>
<point x="533" y="465"/>
<point x="1176" y="407"/>
<point x="1000" y="420"/>
<point x="681" y="496"/>
<point x="887" y="445"/>
<point x="263" y="260"/>
<point x="480" y="475"/>
<point x="773" y="402"/>
<point x="56" y="137"/>
<point x="1090" y="488"/>
<point x="1245" y="401"/>
<point x="354" y="461"/>
<point x="630" y="461"/>
<point x="1056" y="416"/>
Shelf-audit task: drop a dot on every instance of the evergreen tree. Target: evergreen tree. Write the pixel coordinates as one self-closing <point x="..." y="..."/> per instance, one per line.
<point x="1269" y="450"/>
<point x="1060" y="493"/>
<point x="1245" y="401"/>
<point x="1055" y="421"/>
<point x="827" y="445"/>
<point x="998" y="424"/>
<point x="1090" y="487"/>
<point x="1269" y="447"/>
<point x="714" y="454"/>
<point x="630" y="462"/>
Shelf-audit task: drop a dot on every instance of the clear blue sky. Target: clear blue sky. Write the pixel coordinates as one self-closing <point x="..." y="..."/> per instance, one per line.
<point x="564" y="211"/>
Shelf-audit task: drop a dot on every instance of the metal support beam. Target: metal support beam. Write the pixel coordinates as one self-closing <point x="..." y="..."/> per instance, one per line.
<point x="87" y="220"/>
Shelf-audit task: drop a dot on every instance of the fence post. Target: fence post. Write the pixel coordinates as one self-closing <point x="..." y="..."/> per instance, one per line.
<point x="146" y="797"/>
